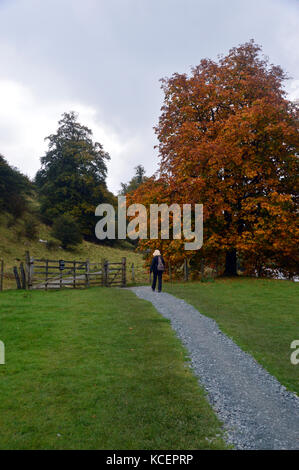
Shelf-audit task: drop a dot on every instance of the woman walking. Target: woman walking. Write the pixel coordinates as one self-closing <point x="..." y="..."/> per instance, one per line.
<point x="157" y="268"/>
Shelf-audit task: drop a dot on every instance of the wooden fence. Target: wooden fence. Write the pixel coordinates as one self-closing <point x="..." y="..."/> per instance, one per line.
<point x="56" y="274"/>
<point x="185" y="272"/>
<point x="178" y="272"/>
<point x="138" y="274"/>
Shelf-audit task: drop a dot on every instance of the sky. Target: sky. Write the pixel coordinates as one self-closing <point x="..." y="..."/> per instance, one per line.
<point x="104" y="59"/>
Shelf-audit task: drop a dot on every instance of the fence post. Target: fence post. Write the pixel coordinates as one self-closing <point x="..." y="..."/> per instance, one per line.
<point x="60" y="278"/>
<point x="87" y="273"/>
<point x="74" y="278"/>
<point x="29" y="269"/>
<point x="1" y="275"/>
<point x="106" y="270"/>
<point x="103" y="272"/>
<point x="124" y="277"/>
<point x="23" y="276"/>
<point x="186" y="274"/>
<point x="17" y="277"/>
<point x="47" y="274"/>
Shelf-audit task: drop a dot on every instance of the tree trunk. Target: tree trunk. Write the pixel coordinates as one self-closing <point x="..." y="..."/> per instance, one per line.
<point x="231" y="263"/>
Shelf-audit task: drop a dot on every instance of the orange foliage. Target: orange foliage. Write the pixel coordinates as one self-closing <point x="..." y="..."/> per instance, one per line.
<point x="228" y="138"/>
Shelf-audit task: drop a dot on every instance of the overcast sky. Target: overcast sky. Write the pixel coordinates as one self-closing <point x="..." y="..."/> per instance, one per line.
<point x="104" y="59"/>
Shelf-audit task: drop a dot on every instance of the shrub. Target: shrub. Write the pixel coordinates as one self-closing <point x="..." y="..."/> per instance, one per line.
<point x="67" y="231"/>
<point x="31" y="227"/>
<point x="52" y="245"/>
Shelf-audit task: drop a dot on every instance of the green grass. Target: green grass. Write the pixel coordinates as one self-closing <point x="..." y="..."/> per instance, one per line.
<point x="96" y="369"/>
<point x="260" y="315"/>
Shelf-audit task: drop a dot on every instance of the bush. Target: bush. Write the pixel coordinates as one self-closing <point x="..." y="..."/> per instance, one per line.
<point x="52" y="245"/>
<point x="67" y="231"/>
<point x="31" y="227"/>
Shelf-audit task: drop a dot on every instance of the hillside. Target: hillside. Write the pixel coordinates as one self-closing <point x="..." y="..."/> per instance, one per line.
<point x="13" y="245"/>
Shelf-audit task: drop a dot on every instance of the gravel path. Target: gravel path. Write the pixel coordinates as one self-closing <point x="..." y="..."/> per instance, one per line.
<point x="257" y="411"/>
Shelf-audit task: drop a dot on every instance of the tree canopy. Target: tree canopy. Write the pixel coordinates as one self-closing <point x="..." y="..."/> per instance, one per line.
<point x="72" y="178"/>
<point x="228" y="138"/>
<point x="135" y="182"/>
<point x="14" y="187"/>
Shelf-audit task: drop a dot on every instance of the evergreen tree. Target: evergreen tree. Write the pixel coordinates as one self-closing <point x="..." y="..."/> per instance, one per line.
<point x="73" y="173"/>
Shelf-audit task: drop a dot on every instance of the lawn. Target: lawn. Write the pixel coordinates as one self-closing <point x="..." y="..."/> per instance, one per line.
<point x="260" y="315"/>
<point x="97" y="369"/>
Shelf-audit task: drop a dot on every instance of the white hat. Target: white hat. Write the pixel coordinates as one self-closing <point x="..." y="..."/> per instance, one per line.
<point x="156" y="253"/>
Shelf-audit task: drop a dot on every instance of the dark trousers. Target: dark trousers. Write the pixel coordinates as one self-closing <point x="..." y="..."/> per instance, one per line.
<point x="157" y="274"/>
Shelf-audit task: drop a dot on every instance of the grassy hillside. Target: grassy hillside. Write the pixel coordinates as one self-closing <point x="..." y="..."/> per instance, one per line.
<point x="13" y="245"/>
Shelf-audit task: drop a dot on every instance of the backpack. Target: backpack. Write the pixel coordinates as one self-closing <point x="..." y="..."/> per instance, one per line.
<point x="160" y="266"/>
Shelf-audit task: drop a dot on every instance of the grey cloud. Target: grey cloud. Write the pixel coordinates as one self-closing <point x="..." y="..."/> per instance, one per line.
<point x="111" y="54"/>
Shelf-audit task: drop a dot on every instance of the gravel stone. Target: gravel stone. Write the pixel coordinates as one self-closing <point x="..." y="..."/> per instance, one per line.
<point x="256" y="410"/>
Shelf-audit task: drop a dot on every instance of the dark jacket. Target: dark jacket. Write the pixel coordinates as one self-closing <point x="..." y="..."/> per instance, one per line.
<point x="154" y="265"/>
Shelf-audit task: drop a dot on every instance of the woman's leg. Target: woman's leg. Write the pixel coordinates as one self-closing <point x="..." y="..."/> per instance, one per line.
<point x="160" y="281"/>
<point x="154" y="280"/>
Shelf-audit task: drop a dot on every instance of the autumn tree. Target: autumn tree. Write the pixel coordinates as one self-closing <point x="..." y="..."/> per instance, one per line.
<point x="228" y="138"/>
<point x="72" y="179"/>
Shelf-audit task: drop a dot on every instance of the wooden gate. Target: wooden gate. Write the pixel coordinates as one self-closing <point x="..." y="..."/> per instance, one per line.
<point x="57" y="274"/>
